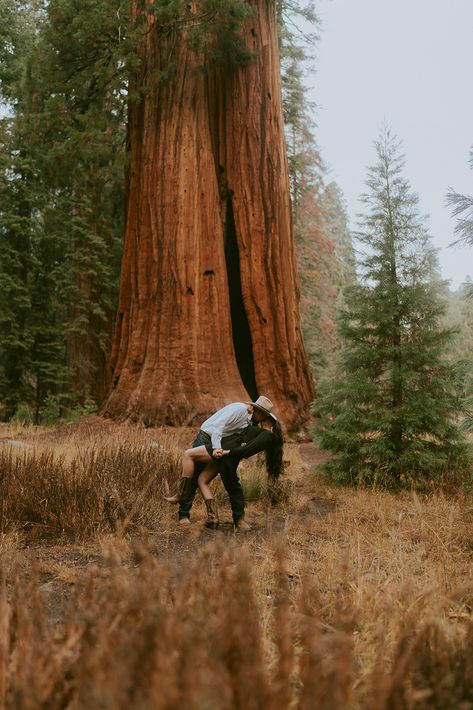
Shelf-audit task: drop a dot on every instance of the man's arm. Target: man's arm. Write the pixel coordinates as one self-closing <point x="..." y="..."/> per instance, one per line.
<point x="226" y="421"/>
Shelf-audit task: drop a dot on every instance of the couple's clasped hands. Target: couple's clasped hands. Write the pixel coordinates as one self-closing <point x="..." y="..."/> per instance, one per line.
<point x="218" y="453"/>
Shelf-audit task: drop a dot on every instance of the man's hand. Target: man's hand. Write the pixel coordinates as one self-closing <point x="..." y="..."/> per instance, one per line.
<point x="217" y="453"/>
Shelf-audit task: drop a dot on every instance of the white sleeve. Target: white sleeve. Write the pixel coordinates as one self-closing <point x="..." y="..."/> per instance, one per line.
<point x="216" y="436"/>
<point x="232" y="420"/>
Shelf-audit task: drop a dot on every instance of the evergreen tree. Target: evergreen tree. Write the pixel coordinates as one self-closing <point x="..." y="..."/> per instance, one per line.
<point x="79" y="80"/>
<point x="64" y="79"/>
<point x="389" y="412"/>
<point x="304" y="161"/>
<point x="320" y="271"/>
<point x="463" y="212"/>
<point x="15" y="266"/>
<point x="337" y="230"/>
<point x="460" y="313"/>
<point x="18" y="200"/>
<point x="319" y="219"/>
<point x="327" y="264"/>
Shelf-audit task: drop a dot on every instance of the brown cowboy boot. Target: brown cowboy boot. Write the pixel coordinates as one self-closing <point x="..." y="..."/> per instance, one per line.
<point x="186" y="487"/>
<point x="242" y="526"/>
<point x="212" y="514"/>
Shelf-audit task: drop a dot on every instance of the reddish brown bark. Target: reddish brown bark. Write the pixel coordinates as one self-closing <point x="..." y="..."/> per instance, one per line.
<point x="209" y="176"/>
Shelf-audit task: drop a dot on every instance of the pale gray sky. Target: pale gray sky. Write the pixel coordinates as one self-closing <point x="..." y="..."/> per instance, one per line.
<point x="409" y="63"/>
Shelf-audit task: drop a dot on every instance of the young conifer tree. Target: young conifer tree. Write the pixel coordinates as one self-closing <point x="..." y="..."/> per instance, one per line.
<point x="389" y="413"/>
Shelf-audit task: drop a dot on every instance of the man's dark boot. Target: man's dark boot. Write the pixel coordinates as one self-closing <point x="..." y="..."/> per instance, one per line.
<point x="212" y="514"/>
<point x="186" y="488"/>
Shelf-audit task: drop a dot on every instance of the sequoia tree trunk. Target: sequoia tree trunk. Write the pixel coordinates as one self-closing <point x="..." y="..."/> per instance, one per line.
<point x="209" y="303"/>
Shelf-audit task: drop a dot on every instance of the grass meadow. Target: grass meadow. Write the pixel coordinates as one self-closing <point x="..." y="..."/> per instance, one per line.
<point x="337" y="598"/>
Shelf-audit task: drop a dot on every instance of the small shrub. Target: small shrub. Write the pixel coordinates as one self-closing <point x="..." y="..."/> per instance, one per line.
<point x="253" y="480"/>
<point x="51" y="410"/>
<point x="80" y="411"/>
<point x="23" y="416"/>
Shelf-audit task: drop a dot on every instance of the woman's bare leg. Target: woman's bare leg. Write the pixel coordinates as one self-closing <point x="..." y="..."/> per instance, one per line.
<point x="207" y="475"/>
<point x="190" y="457"/>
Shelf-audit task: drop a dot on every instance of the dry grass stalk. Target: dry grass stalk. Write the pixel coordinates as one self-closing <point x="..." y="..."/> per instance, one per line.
<point x="140" y="633"/>
<point x="99" y="489"/>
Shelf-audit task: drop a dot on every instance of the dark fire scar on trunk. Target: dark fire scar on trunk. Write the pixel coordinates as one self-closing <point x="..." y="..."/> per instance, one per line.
<point x="240" y="326"/>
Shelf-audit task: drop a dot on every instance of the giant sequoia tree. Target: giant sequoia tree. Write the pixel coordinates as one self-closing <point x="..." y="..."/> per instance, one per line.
<point x="209" y="306"/>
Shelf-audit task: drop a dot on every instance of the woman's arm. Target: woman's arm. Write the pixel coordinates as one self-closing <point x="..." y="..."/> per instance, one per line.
<point x="261" y="442"/>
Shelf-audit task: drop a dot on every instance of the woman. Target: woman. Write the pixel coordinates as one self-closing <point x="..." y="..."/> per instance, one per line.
<point x="250" y="441"/>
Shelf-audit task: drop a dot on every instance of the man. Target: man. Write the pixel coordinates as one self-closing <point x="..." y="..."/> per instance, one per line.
<point x="229" y="420"/>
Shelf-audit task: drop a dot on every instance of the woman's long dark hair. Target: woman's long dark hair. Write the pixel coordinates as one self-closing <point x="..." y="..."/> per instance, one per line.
<point x="274" y="464"/>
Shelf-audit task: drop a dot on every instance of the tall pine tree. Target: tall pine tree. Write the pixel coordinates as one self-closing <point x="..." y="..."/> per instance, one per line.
<point x="63" y="77"/>
<point x="295" y="47"/>
<point x="323" y="240"/>
<point x="389" y="413"/>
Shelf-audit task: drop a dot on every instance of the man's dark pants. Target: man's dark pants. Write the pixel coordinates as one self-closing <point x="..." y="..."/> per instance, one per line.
<point x="229" y="478"/>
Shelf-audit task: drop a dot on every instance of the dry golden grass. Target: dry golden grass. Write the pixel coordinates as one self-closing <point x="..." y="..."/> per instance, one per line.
<point x="338" y="599"/>
<point x="144" y="633"/>
<point x="81" y="479"/>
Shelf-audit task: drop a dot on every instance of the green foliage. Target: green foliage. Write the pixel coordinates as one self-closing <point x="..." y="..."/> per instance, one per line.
<point x="51" y="411"/>
<point x="213" y="28"/>
<point x="295" y="45"/>
<point x="320" y="271"/>
<point x="55" y="410"/>
<point x="463" y="213"/>
<point x="80" y="411"/>
<point x="23" y="416"/>
<point x="460" y="313"/>
<point x="62" y="185"/>
<point x="219" y="34"/>
<point x="15" y="265"/>
<point x="17" y="28"/>
<point x="326" y="264"/>
<point x="336" y="230"/>
<point x="389" y="412"/>
<point x="323" y="241"/>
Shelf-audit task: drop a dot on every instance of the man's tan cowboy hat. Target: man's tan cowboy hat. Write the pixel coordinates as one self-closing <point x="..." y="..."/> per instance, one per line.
<point x="263" y="404"/>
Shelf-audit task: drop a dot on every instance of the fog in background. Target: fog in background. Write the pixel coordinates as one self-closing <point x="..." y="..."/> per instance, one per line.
<point x="408" y="63"/>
